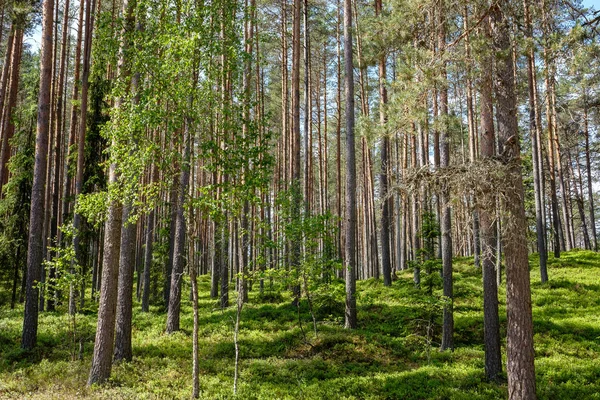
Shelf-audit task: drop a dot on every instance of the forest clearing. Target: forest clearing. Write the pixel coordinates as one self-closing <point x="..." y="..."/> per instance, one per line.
<point x="273" y="199"/>
<point x="389" y="356"/>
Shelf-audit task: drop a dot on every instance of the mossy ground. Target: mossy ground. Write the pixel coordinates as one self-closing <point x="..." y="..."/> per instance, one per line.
<point x="390" y="356"/>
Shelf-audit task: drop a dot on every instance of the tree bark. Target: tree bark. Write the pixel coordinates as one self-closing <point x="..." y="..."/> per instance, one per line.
<point x="386" y="219"/>
<point x="446" y="223"/>
<point x="195" y="349"/>
<point x="590" y="187"/>
<point x="8" y="127"/>
<point x="180" y="229"/>
<point x="520" y="354"/>
<point x="105" y="331"/>
<point x="87" y="50"/>
<point x="4" y="80"/>
<point x="125" y="288"/>
<point x="350" y="251"/>
<point x="36" y="216"/>
<point x="535" y="132"/>
<point x="487" y="215"/>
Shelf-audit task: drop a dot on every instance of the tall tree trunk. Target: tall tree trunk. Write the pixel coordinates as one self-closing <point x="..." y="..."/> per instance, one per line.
<point x="180" y="229"/>
<point x="520" y="354"/>
<point x="535" y="132"/>
<point x="415" y="228"/>
<point x="487" y="215"/>
<point x="123" y="349"/>
<point x="350" y="260"/>
<point x="473" y="140"/>
<point x="295" y="146"/>
<point x="127" y="260"/>
<point x="386" y="219"/>
<point x="551" y="142"/>
<point x="446" y="224"/>
<point x="72" y="133"/>
<point x="578" y="189"/>
<point x="150" y="229"/>
<point x="36" y="216"/>
<point x="590" y="187"/>
<point x="338" y="135"/>
<point x="87" y="51"/>
<point x="105" y="331"/>
<point x="195" y="348"/>
<point x="4" y="80"/>
<point x="8" y="127"/>
<point x="172" y="229"/>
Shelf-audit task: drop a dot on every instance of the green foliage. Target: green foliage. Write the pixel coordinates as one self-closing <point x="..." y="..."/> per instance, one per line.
<point x="15" y="204"/>
<point x="64" y="265"/>
<point x="93" y="207"/>
<point x="386" y="357"/>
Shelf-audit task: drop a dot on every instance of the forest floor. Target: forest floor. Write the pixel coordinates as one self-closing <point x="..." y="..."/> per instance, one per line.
<point x="390" y="356"/>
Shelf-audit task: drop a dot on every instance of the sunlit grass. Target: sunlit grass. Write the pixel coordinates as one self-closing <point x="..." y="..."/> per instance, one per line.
<point x="390" y="355"/>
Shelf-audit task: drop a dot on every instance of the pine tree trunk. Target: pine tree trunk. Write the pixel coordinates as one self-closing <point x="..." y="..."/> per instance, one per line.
<point x="446" y="223"/>
<point x="123" y="349"/>
<point x="415" y="228"/>
<point x="4" y="80"/>
<point x="295" y="146"/>
<point x="534" y="131"/>
<point x="172" y="229"/>
<point x="72" y="133"/>
<point x="87" y="50"/>
<point x="195" y="349"/>
<point x="472" y="138"/>
<point x="36" y="217"/>
<point x="590" y="187"/>
<point x="150" y="229"/>
<point x="180" y="229"/>
<point x="350" y="260"/>
<point x="8" y="127"/>
<point x="520" y="354"/>
<point x="105" y="331"/>
<point x="578" y="189"/>
<point x="491" y="321"/>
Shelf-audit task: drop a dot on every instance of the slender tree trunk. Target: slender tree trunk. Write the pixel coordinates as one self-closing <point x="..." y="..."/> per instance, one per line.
<point x="195" y="349"/>
<point x="551" y="133"/>
<point x="295" y="146"/>
<point x="4" y="80"/>
<point x="129" y="241"/>
<point x="150" y="229"/>
<point x="105" y="331"/>
<point x="520" y="354"/>
<point x="223" y="261"/>
<point x="172" y="230"/>
<point x="180" y="229"/>
<point x="338" y="135"/>
<point x="123" y="349"/>
<point x="87" y="50"/>
<point x="72" y="133"/>
<point x="60" y="126"/>
<point x="383" y="177"/>
<point x="350" y="261"/>
<point x="8" y="127"/>
<point x="534" y="131"/>
<point x="491" y="321"/>
<point x="36" y="217"/>
<point x="415" y="228"/>
<point x="473" y="142"/>
<point x="590" y="187"/>
<point x="578" y="189"/>
<point x="446" y="224"/>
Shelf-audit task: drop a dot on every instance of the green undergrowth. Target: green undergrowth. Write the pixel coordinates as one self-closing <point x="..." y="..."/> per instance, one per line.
<point x="392" y="355"/>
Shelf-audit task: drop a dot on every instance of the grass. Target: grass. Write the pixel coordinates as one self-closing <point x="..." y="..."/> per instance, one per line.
<point x="388" y="357"/>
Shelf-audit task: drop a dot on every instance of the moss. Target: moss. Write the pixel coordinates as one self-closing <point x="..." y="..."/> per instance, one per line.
<point x="390" y="356"/>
